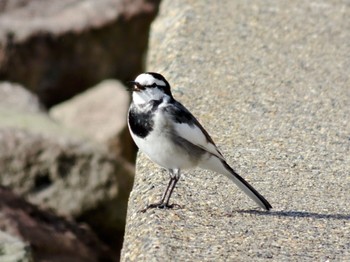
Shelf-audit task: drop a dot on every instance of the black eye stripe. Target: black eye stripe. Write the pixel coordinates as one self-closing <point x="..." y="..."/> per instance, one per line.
<point x="153" y="85"/>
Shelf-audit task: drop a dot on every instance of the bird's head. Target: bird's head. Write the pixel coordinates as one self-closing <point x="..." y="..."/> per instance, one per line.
<point x="150" y="86"/>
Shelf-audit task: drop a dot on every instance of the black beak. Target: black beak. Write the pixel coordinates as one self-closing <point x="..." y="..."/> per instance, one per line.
<point x="136" y="86"/>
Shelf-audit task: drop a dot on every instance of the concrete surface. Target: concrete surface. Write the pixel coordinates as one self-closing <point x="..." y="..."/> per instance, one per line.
<point x="270" y="82"/>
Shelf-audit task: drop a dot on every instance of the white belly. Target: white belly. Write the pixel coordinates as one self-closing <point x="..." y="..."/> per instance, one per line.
<point x="163" y="152"/>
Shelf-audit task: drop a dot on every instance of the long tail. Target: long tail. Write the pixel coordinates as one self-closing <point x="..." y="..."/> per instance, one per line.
<point x="220" y="166"/>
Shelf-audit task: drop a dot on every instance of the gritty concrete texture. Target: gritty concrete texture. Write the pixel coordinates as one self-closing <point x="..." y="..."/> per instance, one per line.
<point x="270" y="82"/>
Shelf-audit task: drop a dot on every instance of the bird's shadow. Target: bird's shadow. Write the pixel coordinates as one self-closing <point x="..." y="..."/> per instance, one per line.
<point x="296" y="214"/>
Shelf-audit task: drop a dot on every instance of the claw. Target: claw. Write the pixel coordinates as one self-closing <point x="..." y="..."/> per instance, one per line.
<point x="161" y="206"/>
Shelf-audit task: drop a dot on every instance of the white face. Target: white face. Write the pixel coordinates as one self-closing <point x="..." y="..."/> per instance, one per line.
<point x="150" y="93"/>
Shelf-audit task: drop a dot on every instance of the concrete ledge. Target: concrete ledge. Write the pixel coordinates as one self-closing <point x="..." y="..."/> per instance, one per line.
<point x="270" y="82"/>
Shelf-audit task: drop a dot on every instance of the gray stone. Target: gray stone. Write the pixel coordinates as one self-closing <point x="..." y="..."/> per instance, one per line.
<point x="13" y="249"/>
<point x="61" y="47"/>
<point x="21" y="109"/>
<point x="76" y="179"/>
<point x="16" y="97"/>
<point x="62" y="169"/>
<point x="269" y="80"/>
<point x="70" y="177"/>
<point x="99" y="113"/>
<point x="33" y="234"/>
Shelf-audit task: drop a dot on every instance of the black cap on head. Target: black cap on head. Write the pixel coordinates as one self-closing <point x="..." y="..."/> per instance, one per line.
<point x="165" y="87"/>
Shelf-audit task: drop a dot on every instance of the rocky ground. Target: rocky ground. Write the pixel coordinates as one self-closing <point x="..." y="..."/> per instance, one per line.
<point x="72" y="43"/>
<point x="270" y="81"/>
<point x="36" y="235"/>
<point x="66" y="168"/>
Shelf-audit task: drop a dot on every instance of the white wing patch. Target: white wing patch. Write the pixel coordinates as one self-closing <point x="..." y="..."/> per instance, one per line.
<point x="194" y="135"/>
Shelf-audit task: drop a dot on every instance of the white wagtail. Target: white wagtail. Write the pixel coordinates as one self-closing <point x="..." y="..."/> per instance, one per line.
<point x="173" y="138"/>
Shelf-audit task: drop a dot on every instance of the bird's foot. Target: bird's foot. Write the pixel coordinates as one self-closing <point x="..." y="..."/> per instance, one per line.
<point x="161" y="206"/>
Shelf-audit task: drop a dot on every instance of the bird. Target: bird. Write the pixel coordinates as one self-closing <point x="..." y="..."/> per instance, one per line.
<point x="170" y="136"/>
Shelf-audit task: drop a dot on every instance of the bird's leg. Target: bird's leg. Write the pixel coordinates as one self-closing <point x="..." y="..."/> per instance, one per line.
<point x="164" y="202"/>
<point x="176" y="178"/>
<point x="171" y="181"/>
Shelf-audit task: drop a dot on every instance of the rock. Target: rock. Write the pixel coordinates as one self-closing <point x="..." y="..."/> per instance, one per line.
<point x="100" y="113"/>
<point x="21" y="109"/>
<point x="16" y="97"/>
<point x="60" y="48"/>
<point x="13" y="249"/>
<point x="270" y="82"/>
<point x="74" y="179"/>
<point x="58" y="168"/>
<point x="38" y="235"/>
<point x="41" y="168"/>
